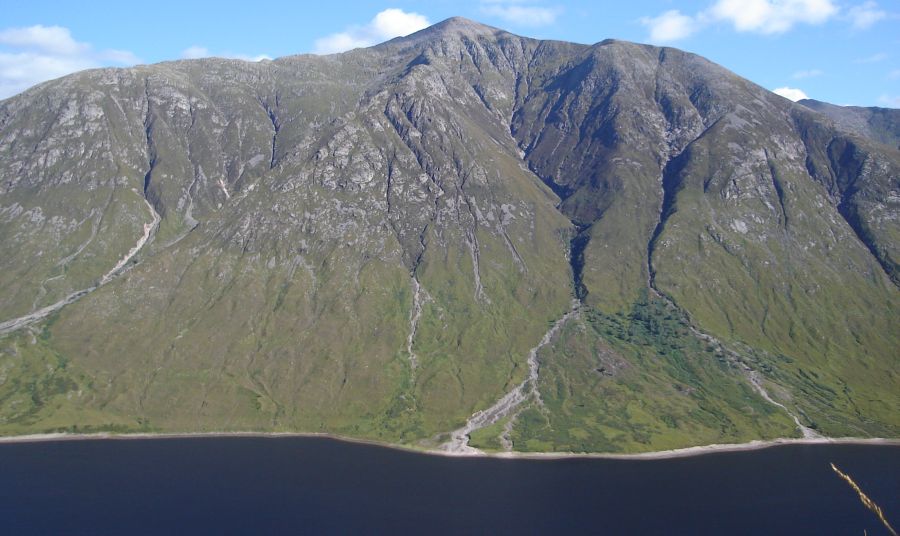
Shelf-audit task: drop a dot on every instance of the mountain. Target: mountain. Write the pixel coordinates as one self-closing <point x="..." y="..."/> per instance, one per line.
<point x="457" y="239"/>
<point x="878" y="124"/>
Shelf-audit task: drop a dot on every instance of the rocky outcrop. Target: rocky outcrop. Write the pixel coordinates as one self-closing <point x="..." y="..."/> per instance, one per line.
<point x="376" y="243"/>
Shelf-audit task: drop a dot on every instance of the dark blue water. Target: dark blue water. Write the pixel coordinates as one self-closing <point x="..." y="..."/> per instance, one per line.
<point x="309" y="485"/>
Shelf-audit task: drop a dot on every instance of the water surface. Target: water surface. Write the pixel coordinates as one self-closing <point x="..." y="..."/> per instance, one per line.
<point x="242" y="485"/>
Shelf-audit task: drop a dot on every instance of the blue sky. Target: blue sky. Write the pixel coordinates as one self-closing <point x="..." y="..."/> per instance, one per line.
<point x="840" y="51"/>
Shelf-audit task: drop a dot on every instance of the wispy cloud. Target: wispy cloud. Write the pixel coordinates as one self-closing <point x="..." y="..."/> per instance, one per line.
<point x="521" y="12"/>
<point x="791" y="93"/>
<point x="874" y="58"/>
<point x="248" y="57"/>
<point x="385" y="25"/>
<point x="756" y="16"/>
<point x="196" y="52"/>
<point x="894" y="75"/>
<point x="865" y="15"/>
<point x="670" y="26"/>
<point x="38" y="53"/>
<point x="811" y="73"/>
<point x="891" y="101"/>
<point x="49" y="39"/>
<point x="771" y="16"/>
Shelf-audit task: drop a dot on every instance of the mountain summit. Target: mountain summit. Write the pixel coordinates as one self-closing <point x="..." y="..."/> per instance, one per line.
<point x="458" y="26"/>
<point x="457" y="239"/>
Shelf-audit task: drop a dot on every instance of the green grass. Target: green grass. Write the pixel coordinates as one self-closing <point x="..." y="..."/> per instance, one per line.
<point x="642" y="382"/>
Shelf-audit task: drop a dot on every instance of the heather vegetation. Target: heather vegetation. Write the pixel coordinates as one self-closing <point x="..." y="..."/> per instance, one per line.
<point x="374" y="243"/>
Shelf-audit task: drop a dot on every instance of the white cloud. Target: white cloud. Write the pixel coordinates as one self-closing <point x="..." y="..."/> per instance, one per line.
<point x="865" y="15"/>
<point x="385" y="25"/>
<point x="519" y="13"/>
<point x="247" y="57"/>
<point x="771" y="16"/>
<point x="39" y="53"/>
<point x="670" y="26"/>
<point x="758" y="16"/>
<point x="874" y="58"/>
<point x="890" y="101"/>
<point x="118" y="57"/>
<point x="52" y="39"/>
<point x="791" y="93"/>
<point x="810" y="73"/>
<point x="21" y="70"/>
<point x="196" y="52"/>
<point x="894" y="75"/>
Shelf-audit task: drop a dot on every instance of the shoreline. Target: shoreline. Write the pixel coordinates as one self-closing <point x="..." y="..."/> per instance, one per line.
<point x="683" y="452"/>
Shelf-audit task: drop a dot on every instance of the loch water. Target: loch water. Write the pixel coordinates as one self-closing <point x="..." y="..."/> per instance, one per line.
<point x="303" y="485"/>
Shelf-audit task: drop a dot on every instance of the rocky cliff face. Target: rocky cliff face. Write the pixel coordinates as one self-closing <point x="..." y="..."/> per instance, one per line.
<point x="878" y="124"/>
<point x="629" y="247"/>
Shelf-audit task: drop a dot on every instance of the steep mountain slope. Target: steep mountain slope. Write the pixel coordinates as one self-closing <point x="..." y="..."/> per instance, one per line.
<point x="638" y="248"/>
<point x="879" y="124"/>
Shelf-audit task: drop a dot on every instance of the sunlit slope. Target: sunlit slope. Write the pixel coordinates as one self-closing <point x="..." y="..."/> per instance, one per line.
<point x="371" y="243"/>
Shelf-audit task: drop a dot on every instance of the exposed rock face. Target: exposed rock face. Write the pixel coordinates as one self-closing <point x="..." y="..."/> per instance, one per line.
<point x="878" y="124"/>
<point x="370" y="244"/>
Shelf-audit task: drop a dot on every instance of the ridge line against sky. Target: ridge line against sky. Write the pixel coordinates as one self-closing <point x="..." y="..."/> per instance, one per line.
<point x="839" y="51"/>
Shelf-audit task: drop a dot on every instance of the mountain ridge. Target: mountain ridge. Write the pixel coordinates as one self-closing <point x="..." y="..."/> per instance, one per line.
<point x="878" y="124"/>
<point x="408" y="219"/>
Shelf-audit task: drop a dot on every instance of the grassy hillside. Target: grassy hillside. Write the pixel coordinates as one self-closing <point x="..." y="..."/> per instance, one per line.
<point x="373" y="243"/>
